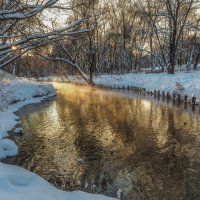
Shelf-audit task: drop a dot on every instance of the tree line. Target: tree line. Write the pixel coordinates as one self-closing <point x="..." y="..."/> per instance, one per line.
<point x="101" y="37"/>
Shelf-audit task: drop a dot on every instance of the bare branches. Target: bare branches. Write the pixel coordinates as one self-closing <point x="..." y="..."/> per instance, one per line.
<point x="23" y="11"/>
<point x="17" y="37"/>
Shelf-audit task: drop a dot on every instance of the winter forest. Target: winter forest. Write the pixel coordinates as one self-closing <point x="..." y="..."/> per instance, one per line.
<point x="92" y="37"/>
<point x="99" y="99"/>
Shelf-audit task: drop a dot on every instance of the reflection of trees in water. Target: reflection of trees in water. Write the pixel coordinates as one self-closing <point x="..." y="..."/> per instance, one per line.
<point x="88" y="146"/>
<point x="147" y="141"/>
<point x="33" y="144"/>
<point x="134" y="125"/>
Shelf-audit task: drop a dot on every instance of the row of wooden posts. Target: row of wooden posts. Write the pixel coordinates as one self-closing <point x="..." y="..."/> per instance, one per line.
<point x="156" y="93"/>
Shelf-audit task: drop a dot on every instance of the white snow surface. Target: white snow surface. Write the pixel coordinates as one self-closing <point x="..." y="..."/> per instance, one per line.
<point x="54" y="78"/>
<point x="190" y="82"/>
<point x="70" y="78"/>
<point x="18" y="131"/>
<point x="17" y="183"/>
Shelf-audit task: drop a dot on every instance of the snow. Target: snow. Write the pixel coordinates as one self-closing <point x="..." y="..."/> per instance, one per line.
<point x="119" y="194"/>
<point x="17" y="183"/>
<point x="7" y="148"/>
<point x="189" y="82"/>
<point x="18" y="131"/>
<point x="75" y="79"/>
<point x="80" y="161"/>
<point x="54" y="78"/>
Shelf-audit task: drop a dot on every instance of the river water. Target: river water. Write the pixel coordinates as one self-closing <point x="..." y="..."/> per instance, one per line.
<point x="99" y="141"/>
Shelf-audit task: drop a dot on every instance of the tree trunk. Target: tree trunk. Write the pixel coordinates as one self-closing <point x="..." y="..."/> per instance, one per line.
<point x="172" y="48"/>
<point x="197" y="59"/>
<point x="172" y="57"/>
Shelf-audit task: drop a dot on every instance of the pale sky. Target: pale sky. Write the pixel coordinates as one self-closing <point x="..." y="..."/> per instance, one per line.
<point x="56" y="15"/>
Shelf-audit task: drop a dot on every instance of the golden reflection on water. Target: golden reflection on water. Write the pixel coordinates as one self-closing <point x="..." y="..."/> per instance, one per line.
<point x="151" y="151"/>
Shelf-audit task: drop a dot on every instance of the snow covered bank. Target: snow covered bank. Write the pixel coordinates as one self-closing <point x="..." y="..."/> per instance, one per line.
<point x="184" y="83"/>
<point x="14" y="94"/>
<point x="19" y="184"/>
<point x="54" y="78"/>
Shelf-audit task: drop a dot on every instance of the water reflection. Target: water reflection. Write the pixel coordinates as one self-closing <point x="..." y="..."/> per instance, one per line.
<point x="150" y="151"/>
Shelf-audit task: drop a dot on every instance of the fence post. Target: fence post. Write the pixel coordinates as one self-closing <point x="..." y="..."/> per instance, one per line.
<point x="163" y="94"/>
<point x="158" y="93"/>
<point x="179" y="97"/>
<point x="185" y="98"/>
<point x="168" y="95"/>
<point x="193" y="100"/>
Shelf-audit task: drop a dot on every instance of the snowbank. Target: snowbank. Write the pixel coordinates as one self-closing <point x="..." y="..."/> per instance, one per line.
<point x="76" y="79"/>
<point x="190" y="82"/>
<point x="68" y="79"/>
<point x="54" y="78"/>
<point x="19" y="184"/>
<point x="15" y="93"/>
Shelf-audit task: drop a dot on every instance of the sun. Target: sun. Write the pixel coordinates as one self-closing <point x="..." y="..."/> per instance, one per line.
<point x="13" y="47"/>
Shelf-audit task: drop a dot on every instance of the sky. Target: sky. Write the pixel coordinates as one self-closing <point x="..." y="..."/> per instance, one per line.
<point x="58" y="16"/>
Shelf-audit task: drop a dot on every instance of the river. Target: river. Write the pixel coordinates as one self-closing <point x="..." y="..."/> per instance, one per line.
<point x="99" y="141"/>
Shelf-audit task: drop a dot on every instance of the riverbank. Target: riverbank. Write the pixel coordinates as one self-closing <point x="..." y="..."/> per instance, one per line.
<point x="14" y="94"/>
<point x="17" y="183"/>
<point x="182" y="83"/>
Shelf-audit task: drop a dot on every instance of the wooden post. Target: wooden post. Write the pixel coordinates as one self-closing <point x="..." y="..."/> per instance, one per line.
<point x="128" y="87"/>
<point x="163" y="94"/>
<point x="193" y="100"/>
<point x="144" y="93"/>
<point x="179" y="98"/>
<point x="158" y="93"/>
<point x="186" y="98"/>
<point x="174" y="96"/>
<point x="123" y="87"/>
<point x="168" y="95"/>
